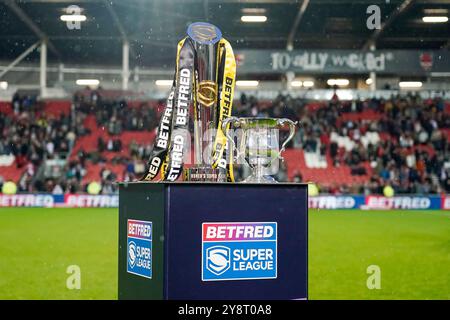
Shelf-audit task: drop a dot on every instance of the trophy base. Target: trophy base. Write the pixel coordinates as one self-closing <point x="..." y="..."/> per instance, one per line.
<point x="259" y="179"/>
<point x="202" y="174"/>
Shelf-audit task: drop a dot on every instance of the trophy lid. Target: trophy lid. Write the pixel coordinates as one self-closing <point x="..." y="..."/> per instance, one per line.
<point x="204" y="33"/>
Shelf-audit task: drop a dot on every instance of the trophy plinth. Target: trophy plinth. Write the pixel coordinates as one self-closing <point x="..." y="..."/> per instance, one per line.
<point x="180" y="264"/>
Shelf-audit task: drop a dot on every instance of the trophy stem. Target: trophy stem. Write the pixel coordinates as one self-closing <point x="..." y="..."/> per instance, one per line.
<point x="257" y="175"/>
<point x="259" y="170"/>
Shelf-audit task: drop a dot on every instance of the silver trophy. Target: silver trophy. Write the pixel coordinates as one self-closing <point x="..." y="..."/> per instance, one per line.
<point x="258" y="144"/>
<point x="210" y="99"/>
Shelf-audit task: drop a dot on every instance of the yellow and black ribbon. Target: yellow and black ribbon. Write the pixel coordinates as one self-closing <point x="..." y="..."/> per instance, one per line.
<point x="162" y="143"/>
<point x="226" y="81"/>
<point x="180" y="137"/>
<point x="172" y="140"/>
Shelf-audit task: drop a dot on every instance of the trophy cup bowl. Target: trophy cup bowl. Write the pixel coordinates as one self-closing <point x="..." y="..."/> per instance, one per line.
<point x="258" y="146"/>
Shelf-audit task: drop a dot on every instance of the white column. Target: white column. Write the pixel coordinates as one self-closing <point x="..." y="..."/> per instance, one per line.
<point x="290" y="76"/>
<point x="60" y="73"/>
<point x="136" y="78"/>
<point x="373" y="83"/>
<point x="373" y="75"/>
<point x="125" y="65"/>
<point x="43" y="69"/>
<point x="136" y="74"/>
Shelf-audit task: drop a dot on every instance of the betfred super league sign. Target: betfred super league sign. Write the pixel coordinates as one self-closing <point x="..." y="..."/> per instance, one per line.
<point x="139" y="248"/>
<point x="239" y="250"/>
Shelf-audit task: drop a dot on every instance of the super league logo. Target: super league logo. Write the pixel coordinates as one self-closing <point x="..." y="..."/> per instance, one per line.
<point x="218" y="259"/>
<point x="132" y="253"/>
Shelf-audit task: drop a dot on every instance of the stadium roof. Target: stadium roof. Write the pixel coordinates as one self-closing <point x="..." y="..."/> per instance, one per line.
<point x="154" y="27"/>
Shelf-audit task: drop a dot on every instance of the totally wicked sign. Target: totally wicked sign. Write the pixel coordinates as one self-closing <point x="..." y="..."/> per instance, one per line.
<point x="403" y="62"/>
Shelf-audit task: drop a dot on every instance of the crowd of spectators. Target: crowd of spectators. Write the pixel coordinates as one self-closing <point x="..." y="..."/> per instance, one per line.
<point x="413" y="155"/>
<point x="410" y="151"/>
<point x="33" y="137"/>
<point x="114" y="113"/>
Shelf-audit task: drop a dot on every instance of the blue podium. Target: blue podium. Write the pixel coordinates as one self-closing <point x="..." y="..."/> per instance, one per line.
<point x="213" y="241"/>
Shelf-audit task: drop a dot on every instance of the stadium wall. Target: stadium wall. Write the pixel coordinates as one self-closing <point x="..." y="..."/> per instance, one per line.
<point x="413" y="202"/>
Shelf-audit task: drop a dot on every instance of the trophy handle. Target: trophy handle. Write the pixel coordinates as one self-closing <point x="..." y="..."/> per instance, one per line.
<point x="230" y="121"/>
<point x="291" y="124"/>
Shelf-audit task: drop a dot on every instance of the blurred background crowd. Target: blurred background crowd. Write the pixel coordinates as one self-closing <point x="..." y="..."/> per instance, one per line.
<point x="401" y="142"/>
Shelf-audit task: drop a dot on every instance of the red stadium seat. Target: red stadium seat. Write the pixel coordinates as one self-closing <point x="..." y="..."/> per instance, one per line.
<point x="6" y="107"/>
<point x="12" y="172"/>
<point x="57" y="107"/>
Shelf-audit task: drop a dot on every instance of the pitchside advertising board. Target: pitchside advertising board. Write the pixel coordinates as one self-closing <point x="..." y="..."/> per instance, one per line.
<point x="139" y="248"/>
<point x="412" y="202"/>
<point x="445" y="203"/>
<point x="416" y="202"/>
<point x="59" y="200"/>
<point x="239" y="251"/>
<point x="336" y="202"/>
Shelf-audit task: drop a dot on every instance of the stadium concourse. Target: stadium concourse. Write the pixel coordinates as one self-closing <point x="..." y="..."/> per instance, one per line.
<point x="356" y="147"/>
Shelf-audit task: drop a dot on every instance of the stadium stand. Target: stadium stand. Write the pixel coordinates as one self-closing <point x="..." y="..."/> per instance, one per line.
<point x="344" y="146"/>
<point x="95" y="141"/>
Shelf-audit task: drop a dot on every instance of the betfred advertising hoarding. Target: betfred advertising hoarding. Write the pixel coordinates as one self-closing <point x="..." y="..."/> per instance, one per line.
<point x="67" y="200"/>
<point x="402" y="202"/>
<point x="445" y="205"/>
<point x="329" y="202"/>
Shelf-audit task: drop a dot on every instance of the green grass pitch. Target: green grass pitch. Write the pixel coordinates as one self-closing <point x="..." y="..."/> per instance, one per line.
<point x="412" y="249"/>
